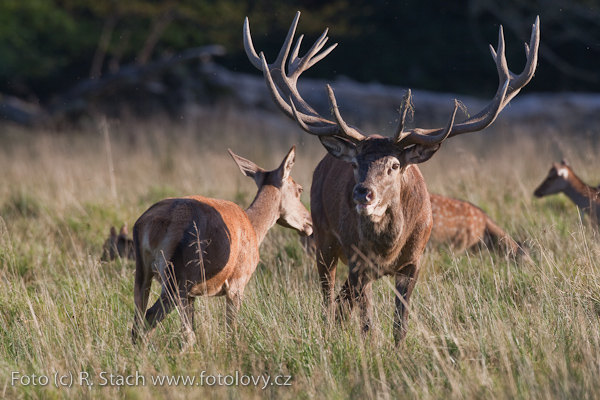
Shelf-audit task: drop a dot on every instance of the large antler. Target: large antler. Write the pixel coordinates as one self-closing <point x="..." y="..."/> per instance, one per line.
<point x="284" y="92"/>
<point x="508" y="87"/>
<point x="282" y="86"/>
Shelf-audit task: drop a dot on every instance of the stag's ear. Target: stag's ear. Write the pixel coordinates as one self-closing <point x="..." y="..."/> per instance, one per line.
<point x="341" y="149"/>
<point x="418" y="153"/>
<point x="248" y="168"/>
<point x="288" y="162"/>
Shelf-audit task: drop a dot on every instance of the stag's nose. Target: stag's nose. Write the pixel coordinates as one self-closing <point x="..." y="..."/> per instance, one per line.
<point x="363" y="194"/>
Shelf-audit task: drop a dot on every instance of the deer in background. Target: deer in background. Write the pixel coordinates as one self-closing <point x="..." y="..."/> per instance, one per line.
<point x="198" y="246"/>
<point x="120" y="245"/>
<point x="462" y="225"/>
<point x="561" y="178"/>
<point x="369" y="203"/>
<point x="459" y="225"/>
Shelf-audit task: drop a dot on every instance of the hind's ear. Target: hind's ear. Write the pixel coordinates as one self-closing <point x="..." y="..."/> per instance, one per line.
<point x="124" y="230"/>
<point x="288" y="162"/>
<point x="248" y="168"/>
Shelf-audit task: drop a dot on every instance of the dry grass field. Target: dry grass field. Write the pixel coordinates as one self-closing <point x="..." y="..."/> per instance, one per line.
<point x="481" y="325"/>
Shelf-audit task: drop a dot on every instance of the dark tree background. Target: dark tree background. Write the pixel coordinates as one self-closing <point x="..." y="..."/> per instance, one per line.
<point x="48" y="46"/>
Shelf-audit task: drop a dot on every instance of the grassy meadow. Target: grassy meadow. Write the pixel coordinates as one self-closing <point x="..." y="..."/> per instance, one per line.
<point x="481" y="326"/>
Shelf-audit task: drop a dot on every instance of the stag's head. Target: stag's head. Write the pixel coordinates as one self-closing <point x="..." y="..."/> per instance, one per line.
<point x="292" y="213"/>
<point x="556" y="181"/>
<point x="377" y="161"/>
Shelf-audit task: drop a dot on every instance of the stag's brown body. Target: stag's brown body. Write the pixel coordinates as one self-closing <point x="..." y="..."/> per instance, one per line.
<point x="461" y="225"/>
<point x="199" y="246"/>
<point x="369" y="202"/>
<point x="373" y="247"/>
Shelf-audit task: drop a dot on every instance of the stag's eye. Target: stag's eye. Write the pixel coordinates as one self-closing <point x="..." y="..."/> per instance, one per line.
<point x="354" y="165"/>
<point x="395" y="166"/>
<point x="300" y="190"/>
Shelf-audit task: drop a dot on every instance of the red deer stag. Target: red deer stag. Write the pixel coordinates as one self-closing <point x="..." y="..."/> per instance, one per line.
<point x="197" y="246"/>
<point x="462" y="225"/>
<point x="369" y="202"/>
<point x="561" y="178"/>
<point x="120" y="245"/>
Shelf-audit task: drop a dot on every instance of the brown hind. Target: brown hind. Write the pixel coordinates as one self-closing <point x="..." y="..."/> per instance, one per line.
<point x="198" y="246"/>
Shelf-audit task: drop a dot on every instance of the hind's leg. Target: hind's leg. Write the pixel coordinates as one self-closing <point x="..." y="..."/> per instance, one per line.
<point x="143" y="282"/>
<point x="187" y="321"/>
<point x="160" y="309"/>
<point x="169" y="296"/>
<point x="233" y="297"/>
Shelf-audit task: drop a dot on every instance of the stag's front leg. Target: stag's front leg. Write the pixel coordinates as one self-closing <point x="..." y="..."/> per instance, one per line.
<point x="405" y="283"/>
<point x="357" y="290"/>
<point x="327" y="260"/>
<point x="327" y="267"/>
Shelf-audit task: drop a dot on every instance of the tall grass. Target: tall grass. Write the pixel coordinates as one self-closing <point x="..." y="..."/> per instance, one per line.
<point x="481" y="325"/>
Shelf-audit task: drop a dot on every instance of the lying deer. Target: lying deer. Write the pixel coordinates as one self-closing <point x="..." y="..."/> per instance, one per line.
<point x="369" y="202"/>
<point x="198" y="246"/>
<point x="459" y="225"/>
<point x="120" y="245"/>
<point x="561" y="178"/>
<point x="462" y="225"/>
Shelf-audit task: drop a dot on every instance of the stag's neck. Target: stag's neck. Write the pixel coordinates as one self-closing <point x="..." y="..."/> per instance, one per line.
<point x="382" y="234"/>
<point x="263" y="213"/>
<point x="584" y="196"/>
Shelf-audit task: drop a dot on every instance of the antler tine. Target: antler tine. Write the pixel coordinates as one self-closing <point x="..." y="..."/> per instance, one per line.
<point x="406" y="101"/>
<point x="287" y="44"/>
<point x="249" y="46"/>
<point x="326" y="130"/>
<point x="346" y="131"/>
<point x="429" y="137"/>
<point x="280" y="102"/>
<point x="531" y="52"/>
<point x="311" y="57"/>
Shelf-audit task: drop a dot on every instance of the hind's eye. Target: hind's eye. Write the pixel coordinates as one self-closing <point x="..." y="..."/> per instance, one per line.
<point x="354" y="165"/>
<point x="395" y="166"/>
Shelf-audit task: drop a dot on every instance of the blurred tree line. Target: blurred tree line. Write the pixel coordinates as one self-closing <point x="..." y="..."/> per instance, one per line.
<point x="48" y="46"/>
